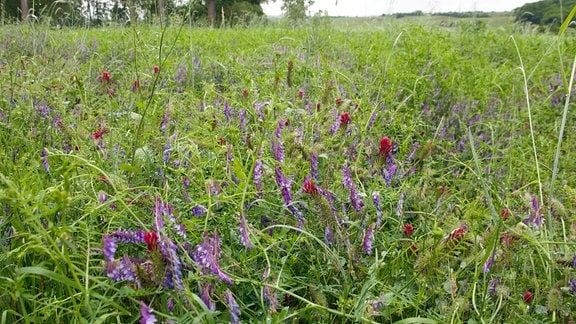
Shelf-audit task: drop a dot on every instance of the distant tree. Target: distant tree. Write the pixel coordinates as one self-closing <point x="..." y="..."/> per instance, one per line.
<point x="232" y="9"/>
<point x="546" y="12"/>
<point x="296" y="9"/>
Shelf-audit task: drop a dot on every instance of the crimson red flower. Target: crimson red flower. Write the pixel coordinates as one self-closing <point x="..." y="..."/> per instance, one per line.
<point x="344" y="119"/>
<point x="528" y="296"/>
<point x="310" y="187"/>
<point x="385" y="147"/>
<point x="300" y="93"/>
<point x="98" y="134"/>
<point x="156" y="69"/>
<point x="244" y="93"/>
<point x="408" y="230"/>
<point x="317" y="106"/>
<point x="111" y="92"/>
<point x="456" y="235"/>
<point x="505" y="213"/>
<point x="338" y="101"/>
<point x="135" y="85"/>
<point x="106" y="75"/>
<point x="151" y="239"/>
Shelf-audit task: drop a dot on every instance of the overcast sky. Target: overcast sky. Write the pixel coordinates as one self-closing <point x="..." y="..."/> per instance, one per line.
<point x="379" y="7"/>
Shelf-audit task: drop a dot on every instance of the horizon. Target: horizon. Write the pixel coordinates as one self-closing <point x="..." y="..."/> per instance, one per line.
<point x="370" y="8"/>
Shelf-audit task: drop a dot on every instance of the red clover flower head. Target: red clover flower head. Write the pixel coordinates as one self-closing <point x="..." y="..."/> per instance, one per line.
<point x="344" y="119"/>
<point x="156" y="69"/>
<point x="106" y="76"/>
<point x="151" y="240"/>
<point x="310" y="187"/>
<point x="528" y="296"/>
<point x="385" y="148"/>
<point x="408" y="230"/>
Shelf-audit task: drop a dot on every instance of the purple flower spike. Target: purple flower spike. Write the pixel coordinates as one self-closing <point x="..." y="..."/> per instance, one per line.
<point x="535" y="216"/>
<point x="206" y="296"/>
<point x="284" y="184"/>
<point x="572" y="286"/>
<point x="207" y="254"/>
<point x="388" y="173"/>
<point x="199" y="211"/>
<point x="367" y="246"/>
<point x="110" y="247"/>
<point x="271" y="298"/>
<point x="314" y="166"/>
<point x="488" y="264"/>
<point x="44" y="155"/>
<point x="147" y="315"/>
<point x="357" y="203"/>
<point x="128" y="236"/>
<point x="232" y="306"/>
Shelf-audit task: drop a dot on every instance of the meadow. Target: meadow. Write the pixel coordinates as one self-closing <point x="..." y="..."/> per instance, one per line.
<point x="390" y="172"/>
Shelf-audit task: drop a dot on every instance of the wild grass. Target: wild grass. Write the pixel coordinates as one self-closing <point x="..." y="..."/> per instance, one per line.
<point x="244" y="175"/>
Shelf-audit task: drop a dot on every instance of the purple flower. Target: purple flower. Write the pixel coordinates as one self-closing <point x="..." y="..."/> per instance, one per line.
<point x="206" y="296"/>
<point x="277" y="143"/>
<point x="244" y="233"/>
<point x="165" y="120"/>
<point x="357" y="203"/>
<point x="242" y="119"/>
<point x="44" y="155"/>
<point x="170" y="304"/>
<point x="296" y="212"/>
<point x="376" y="199"/>
<point x="278" y="150"/>
<point x="147" y="316"/>
<point x="284" y="184"/>
<point x="314" y="166"/>
<point x="270" y="298"/>
<point x="232" y="306"/>
<point x="488" y="263"/>
<point x="227" y="111"/>
<point x="535" y="216"/>
<point x="110" y="247"/>
<point x="367" y="246"/>
<point x="347" y="177"/>
<point x="328" y="235"/>
<point x="572" y="286"/>
<point x="128" y="236"/>
<point x="102" y="196"/>
<point x="388" y="173"/>
<point x="493" y="285"/>
<point x="121" y="270"/>
<point x="168" y="148"/>
<point x="258" y="176"/>
<point x="207" y="255"/>
<point x="174" y="271"/>
<point x="372" y="119"/>
<point x="199" y="211"/>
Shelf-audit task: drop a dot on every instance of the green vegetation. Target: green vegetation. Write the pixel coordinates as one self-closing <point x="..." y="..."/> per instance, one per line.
<point x="322" y="174"/>
<point x="545" y="13"/>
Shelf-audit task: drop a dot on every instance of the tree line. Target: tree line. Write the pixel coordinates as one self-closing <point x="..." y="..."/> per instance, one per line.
<point x="550" y="13"/>
<point x="96" y="12"/>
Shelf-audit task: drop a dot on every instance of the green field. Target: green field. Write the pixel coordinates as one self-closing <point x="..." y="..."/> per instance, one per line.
<point x="346" y="170"/>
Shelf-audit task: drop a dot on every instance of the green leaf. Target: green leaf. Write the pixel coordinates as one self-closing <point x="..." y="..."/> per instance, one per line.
<point x="567" y="21"/>
<point x="48" y="274"/>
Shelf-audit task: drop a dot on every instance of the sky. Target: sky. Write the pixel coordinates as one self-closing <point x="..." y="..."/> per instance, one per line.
<point x="355" y="8"/>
